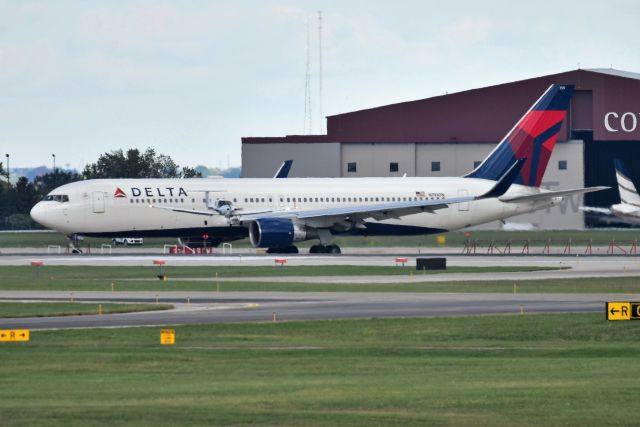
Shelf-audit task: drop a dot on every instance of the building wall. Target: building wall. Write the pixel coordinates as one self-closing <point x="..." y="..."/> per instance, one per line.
<point x="373" y="159"/>
<point x="310" y="160"/>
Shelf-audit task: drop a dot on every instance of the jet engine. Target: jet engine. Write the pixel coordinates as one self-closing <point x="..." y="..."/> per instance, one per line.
<point x="277" y="233"/>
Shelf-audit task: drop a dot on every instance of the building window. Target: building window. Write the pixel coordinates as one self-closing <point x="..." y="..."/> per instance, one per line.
<point x="351" y="167"/>
<point x="435" y="166"/>
<point x="476" y="163"/>
<point x="393" y="167"/>
<point x="562" y="165"/>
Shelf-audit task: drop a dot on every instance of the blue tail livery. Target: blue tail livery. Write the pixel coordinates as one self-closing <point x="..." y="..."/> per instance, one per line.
<point x="533" y="138"/>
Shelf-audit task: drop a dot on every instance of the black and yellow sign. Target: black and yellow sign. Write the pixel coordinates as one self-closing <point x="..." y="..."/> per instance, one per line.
<point x="618" y="310"/>
<point x="167" y="336"/>
<point x="11" y="335"/>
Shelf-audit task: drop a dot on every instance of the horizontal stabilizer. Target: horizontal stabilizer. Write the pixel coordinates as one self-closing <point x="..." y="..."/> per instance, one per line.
<point x="552" y="194"/>
<point x="594" y="209"/>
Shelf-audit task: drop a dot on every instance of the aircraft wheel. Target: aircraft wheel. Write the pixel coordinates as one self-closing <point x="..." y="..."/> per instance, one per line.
<point x="317" y="249"/>
<point x="334" y="249"/>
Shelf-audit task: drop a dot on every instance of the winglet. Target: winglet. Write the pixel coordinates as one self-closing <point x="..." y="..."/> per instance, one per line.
<point x="505" y="181"/>
<point x="284" y="169"/>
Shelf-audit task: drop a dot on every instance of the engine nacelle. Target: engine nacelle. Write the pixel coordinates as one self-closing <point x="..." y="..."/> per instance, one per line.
<point x="277" y="233"/>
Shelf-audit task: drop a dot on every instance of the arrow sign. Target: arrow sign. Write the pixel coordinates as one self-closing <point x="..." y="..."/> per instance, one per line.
<point x="14" y="335"/>
<point x="618" y="310"/>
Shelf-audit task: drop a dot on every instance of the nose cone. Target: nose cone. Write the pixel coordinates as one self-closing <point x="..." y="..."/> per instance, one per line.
<point x="38" y="214"/>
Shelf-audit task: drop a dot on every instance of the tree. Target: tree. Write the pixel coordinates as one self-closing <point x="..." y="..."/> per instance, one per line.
<point x="24" y="196"/>
<point x="188" y="172"/>
<point x="47" y="182"/>
<point x="132" y="165"/>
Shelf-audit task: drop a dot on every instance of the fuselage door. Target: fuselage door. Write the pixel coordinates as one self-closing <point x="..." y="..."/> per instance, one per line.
<point x="98" y="202"/>
<point x="465" y="205"/>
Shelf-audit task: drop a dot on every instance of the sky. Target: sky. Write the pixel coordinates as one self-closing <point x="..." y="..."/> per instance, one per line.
<point x="189" y="78"/>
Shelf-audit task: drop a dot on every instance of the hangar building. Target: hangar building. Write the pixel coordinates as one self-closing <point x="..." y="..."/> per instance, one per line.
<point x="451" y="134"/>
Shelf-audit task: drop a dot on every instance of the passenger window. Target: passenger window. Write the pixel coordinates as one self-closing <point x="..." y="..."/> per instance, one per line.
<point x="235" y="200"/>
<point x="131" y="200"/>
<point x="262" y="200"/>
<point x="305" y="199"/>
<point x="251" y="199"/>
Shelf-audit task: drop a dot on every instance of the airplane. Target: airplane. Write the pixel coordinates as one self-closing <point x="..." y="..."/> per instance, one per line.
<point x="276" y="213"/>
<point x="628" y="210"/>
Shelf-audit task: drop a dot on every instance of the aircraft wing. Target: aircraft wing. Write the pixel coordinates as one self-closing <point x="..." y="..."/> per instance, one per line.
<point x="390" y="209"/>
<point x="201" y="212"/>
<point x="551" y="194"/>
<point x="284" y="169"/>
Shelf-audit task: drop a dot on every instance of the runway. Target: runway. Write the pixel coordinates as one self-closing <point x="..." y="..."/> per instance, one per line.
<point x="210" y="307"/>
<point x="206" y="307"/>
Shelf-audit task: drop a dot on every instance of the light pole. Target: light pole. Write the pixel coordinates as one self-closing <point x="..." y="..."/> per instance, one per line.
<point x="54" y="169"/>
<point x="8" y="173"/>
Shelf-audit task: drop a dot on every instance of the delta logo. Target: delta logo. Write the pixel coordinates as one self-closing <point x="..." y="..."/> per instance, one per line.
<point x="119" y="193"/>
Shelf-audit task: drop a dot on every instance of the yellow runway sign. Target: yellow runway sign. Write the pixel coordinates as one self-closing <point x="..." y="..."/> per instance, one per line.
<point x="11" y="335"/>
<point x="167" y="336"/>
<point x="619" y="310"/>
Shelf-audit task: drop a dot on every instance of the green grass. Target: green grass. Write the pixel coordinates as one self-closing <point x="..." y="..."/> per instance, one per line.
<point x="453" y="239"/>
<point x="28" y="273"/>
<point x="526" y="370"/>
<point x="76" y="279"/>
<point x="42" y="309"/>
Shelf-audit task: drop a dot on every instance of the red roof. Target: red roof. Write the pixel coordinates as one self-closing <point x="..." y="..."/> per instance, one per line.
<point x="482" y="115"/>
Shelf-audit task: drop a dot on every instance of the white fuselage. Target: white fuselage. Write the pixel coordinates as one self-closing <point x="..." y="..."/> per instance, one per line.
<point x="121" y="207"/>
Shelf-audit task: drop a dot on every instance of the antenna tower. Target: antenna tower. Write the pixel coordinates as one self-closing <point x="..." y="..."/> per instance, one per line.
<point x="308" y="122"/>
<point x="320" y="70"/>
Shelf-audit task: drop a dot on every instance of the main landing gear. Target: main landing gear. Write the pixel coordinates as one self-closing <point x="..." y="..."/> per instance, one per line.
<point x="322" y="249"/>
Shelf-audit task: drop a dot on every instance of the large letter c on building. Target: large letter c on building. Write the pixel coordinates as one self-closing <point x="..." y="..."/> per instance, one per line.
<point x="607" y="125"/>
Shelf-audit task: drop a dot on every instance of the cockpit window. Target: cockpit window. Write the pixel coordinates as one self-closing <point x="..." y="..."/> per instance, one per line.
<point x="62" y="198"/>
